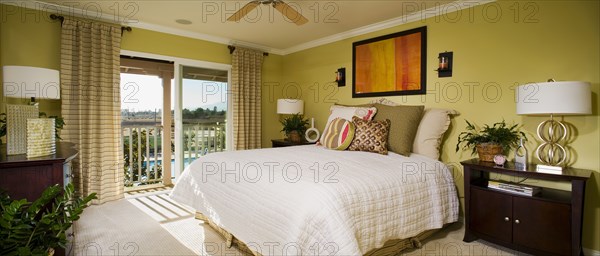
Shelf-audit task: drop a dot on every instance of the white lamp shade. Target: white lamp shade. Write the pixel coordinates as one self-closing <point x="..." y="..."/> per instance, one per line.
<point x="290" y="106"/>
<point x="27" y="82"/>
<point x="561" y="98"/>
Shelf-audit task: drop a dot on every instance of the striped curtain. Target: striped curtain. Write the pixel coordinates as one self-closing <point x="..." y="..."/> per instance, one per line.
<point x="246" y="82"/>
<point x="90" y="81"/>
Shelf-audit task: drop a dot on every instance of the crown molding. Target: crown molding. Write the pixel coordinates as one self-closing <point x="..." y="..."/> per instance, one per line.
<point x="420" y="15"/>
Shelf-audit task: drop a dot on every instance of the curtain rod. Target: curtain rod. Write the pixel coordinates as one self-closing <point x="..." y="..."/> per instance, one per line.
<point x="62" y="19"/>
<point x="232" y="48"/>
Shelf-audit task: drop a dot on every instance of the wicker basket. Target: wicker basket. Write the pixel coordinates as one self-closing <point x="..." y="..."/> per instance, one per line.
<point x="487" y="151"/>
<point x="294" y="136"/>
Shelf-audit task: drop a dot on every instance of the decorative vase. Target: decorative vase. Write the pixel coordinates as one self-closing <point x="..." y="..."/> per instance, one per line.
<point x="487" y="151"/>
<point x="294" y="136"/>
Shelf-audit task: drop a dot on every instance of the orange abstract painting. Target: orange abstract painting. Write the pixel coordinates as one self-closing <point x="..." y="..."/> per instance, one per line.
<point x="390" y="65"/>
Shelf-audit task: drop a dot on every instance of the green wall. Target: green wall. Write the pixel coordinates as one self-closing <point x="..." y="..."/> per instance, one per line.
<point x="560" y="40"/>
<point x="554" y="39"/>
<point x="34" y="40"/>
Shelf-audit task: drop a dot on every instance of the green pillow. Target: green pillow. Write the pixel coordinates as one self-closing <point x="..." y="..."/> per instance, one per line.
<point x="404" y="125"/>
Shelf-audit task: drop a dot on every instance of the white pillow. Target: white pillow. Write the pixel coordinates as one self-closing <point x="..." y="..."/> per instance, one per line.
<point x="337" y="111"/>
<point x="434" y="124"/>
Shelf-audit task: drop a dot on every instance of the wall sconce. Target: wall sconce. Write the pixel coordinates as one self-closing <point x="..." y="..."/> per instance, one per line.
<point x="340" y="77"/>
<point x="445" y="64"/>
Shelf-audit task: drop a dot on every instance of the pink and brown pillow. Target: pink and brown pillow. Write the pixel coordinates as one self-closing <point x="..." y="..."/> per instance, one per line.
<point x="338" y="135"/>
<point x="370" y="136"/>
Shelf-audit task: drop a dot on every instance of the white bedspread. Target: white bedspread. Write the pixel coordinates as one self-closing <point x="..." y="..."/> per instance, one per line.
<point x="313" y="201"/>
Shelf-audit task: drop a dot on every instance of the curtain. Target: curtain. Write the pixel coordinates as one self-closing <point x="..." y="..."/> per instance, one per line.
<point x="90" y="83"/>
<point x="246" y="82"/>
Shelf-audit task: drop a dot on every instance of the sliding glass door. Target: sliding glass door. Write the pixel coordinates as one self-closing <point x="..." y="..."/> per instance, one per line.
<point x="201" y="112"/>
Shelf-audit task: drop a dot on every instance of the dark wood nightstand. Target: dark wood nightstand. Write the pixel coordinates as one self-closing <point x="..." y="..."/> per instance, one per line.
<point x="286" y="143"/>
<point x="548" y="223"/>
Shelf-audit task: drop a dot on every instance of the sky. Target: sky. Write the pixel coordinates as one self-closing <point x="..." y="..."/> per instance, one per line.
<point x="144" y="93"/>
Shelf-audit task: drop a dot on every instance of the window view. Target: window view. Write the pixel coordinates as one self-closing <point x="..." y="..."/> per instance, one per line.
<point x="141" y="113"/>
<point x="204" y="95"/>
<point x="148" y="140"/>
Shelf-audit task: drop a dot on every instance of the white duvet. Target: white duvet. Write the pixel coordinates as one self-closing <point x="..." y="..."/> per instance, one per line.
<point x="309" y="200"/>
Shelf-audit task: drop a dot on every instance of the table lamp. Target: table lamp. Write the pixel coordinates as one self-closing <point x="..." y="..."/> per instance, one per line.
<point x="553" y="98"/>
<point x="28" y="83"/>
<point x="290" y="106"/>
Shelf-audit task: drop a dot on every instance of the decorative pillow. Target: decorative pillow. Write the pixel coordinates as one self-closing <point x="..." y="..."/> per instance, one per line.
<point x="370" y="136"/>
<point x="347" y="113"/>
<point x="404" y="124"/>
<point x="338" y="135"/>
<point x="433" y="126"/>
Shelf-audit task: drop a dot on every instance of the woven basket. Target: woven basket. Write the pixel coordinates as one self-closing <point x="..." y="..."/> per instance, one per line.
<point x="487" y="151"/>
<point x="294" y="136"/>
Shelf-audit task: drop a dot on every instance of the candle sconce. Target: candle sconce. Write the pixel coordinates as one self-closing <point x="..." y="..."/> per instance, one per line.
<point x="445" y="64"/>
<point x="340" y="77"/>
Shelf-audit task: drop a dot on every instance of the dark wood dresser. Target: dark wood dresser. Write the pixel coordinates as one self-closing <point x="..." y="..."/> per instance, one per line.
<point x="547" y="223"/>
<point x="23" y="177"/>
<point x="27" y="178"/>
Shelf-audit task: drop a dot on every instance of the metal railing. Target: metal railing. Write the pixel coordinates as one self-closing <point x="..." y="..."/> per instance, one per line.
<point x="142" y="149"/>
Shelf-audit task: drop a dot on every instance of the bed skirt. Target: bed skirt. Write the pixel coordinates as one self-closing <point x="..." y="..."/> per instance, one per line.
<point x="391" y="247"/>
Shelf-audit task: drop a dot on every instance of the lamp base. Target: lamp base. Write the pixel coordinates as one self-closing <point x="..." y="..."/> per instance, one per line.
<point x="16" y="127"/>
<point x="551" y="152"/>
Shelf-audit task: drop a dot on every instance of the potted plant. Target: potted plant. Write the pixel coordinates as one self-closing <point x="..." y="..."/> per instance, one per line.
<point x="489" y="141"/>
<point x="39" y="227"/>
<point x="294" y="127"/>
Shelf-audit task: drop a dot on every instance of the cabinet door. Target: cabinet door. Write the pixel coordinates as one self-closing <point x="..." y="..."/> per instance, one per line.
<point x="542" y="225"/>
<point x="491" y="213"/>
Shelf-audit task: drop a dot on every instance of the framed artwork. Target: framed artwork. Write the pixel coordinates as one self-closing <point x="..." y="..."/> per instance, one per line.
<point x="390" y="65"/>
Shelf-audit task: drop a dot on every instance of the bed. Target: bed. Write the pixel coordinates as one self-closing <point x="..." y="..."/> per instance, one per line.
<point x="310" y="200"/>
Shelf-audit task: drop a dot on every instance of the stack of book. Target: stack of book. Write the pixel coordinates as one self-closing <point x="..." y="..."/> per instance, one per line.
<point x="513" y="188"/>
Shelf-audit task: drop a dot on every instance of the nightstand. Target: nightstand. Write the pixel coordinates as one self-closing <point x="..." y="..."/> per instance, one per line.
<point x="546" y="223"/>
<point x="286" y="143"/>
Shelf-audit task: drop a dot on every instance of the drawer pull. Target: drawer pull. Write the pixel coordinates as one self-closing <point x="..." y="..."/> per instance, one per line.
<point x="517" y="222"/>
<point x="506" y="219"/>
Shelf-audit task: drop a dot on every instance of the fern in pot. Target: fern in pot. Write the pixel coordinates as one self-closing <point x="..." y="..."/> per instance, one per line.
<point x="492" y="140"/>
<point x="294" y="127"/>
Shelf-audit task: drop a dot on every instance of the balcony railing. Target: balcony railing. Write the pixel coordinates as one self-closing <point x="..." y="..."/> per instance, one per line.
<point x="201" y="139"/>
<point x="143" y="149"/>
<point x="142" y="152"/>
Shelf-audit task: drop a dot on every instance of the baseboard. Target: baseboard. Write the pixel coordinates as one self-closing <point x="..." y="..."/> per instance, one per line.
<point x="590" y="252"/>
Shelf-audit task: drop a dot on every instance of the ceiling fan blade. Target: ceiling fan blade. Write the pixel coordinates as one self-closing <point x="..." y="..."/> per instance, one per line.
<point x="290" y="13"/>
<point x="237" y="16"/>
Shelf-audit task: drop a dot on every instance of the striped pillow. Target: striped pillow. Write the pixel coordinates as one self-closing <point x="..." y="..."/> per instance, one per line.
<point x="338" y="135"/>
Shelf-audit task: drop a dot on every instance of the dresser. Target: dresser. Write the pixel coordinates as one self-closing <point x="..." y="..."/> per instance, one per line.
<point x="23" y="177"/>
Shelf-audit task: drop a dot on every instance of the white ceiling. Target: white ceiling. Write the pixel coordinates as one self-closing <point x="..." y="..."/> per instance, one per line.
<point x="263" y="28"/>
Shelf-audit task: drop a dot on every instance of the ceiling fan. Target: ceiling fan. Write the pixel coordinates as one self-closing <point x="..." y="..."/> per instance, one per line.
<point x="279" y="5"/>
